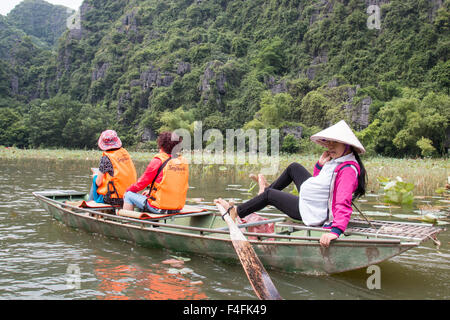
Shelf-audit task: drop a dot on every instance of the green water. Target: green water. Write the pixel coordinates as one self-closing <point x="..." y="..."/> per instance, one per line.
<point x="38" y="255"/>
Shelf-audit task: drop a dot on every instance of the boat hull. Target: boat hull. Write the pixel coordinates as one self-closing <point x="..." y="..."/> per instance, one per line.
<point x="286" y="254"/>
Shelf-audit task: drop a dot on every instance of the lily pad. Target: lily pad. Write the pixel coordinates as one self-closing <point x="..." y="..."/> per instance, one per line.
<point x="375" y="213"/>
<point x="196" y="200"/>
<point x="427" y="218"/>
<point x="406" y="216"/>
<point x="371" y="195"/>
<point x="430" y="218"/>
<point x="181" y="258"/>
<point x="180" y="271"/>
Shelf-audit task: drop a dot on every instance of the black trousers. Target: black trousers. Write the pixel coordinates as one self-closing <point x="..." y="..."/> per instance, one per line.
<point x="273" y="195"/>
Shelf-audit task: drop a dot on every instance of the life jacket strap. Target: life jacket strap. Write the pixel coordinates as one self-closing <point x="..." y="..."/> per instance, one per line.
<point x="117" y="201"/>
<point x="156" y="176"/>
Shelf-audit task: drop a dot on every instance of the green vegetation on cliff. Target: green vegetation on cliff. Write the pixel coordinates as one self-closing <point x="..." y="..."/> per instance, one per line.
<point x="40" y="19"/>
<point x="144" y="66"/>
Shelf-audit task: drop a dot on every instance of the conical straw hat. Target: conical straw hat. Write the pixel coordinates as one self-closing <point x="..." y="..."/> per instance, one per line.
<point x="339" y="132"/>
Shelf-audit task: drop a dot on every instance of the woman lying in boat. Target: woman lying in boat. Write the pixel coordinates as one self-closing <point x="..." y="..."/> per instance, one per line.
<point x="115" y="173"/>
<point x="325" y="198"/>
<point x="166" y="174"/>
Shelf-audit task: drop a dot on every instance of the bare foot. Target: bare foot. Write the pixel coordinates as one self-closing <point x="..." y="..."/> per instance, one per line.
<point x="263" y="184"/>
<point x="226" y="205"/>
<point x="261" y="180"/>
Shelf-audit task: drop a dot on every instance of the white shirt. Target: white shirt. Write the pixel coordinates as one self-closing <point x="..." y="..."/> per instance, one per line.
<point x="314" y="193"/>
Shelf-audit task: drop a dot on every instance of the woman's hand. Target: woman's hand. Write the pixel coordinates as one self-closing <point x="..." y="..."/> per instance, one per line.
<point x="99" y="179"/>
<point x="324" y="158"/>
<point x="146" y="192"/>
<point x="326" y="238"/>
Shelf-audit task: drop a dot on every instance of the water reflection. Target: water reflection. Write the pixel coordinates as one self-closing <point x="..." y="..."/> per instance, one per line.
<point x="124" y="282"/>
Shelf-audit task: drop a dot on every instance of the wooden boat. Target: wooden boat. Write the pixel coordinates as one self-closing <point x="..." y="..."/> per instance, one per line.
<point x="292" y="247"/>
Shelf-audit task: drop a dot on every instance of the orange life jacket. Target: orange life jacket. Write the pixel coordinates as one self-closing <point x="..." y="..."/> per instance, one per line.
<point x="124" y="174"/>
<point x="170" y="192"/>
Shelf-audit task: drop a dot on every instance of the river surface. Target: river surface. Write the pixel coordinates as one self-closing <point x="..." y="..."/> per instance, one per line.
<point x="39" y="256"/>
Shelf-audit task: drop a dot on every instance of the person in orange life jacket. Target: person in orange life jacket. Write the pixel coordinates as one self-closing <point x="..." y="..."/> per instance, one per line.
<point x="166" y="174"/>
<point x="116" y="171"/>
<point x="325" y="198"/>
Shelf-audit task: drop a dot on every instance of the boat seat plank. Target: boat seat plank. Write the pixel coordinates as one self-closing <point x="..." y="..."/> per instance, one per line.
<point x="91" y="205"/>
<point x="155" y="217"/>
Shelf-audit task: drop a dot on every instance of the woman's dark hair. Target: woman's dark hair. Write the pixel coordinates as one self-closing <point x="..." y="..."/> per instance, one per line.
<point x="362" y="178"/>
<point x="168" y="140"/>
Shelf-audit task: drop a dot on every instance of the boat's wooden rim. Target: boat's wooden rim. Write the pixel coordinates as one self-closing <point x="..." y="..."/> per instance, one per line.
<point x="369" y="232"/>
<point x="206" y="233"/>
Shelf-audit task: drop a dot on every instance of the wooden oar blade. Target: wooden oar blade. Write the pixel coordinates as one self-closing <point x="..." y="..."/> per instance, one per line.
<point x="256" y="273"/>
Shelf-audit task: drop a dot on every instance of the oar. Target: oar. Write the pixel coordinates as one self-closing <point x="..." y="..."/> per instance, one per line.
<point x="364" y="216"/>
<point x="256" y="273"/>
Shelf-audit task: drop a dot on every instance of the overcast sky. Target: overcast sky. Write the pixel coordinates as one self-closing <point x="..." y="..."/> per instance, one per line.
<point x="7" y="5"/>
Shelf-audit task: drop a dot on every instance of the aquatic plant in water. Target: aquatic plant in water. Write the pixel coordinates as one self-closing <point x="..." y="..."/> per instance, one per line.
<point x="397" y="191"/>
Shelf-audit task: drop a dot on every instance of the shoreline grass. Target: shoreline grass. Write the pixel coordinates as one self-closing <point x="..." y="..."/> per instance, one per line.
<point x="427" y="174"/>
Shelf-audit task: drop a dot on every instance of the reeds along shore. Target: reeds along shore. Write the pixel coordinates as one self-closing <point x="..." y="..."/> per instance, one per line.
<point x="427" y="174"/>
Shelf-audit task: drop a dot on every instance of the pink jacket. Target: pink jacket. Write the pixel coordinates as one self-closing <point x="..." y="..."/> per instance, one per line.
<point x="345" y="184"/>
